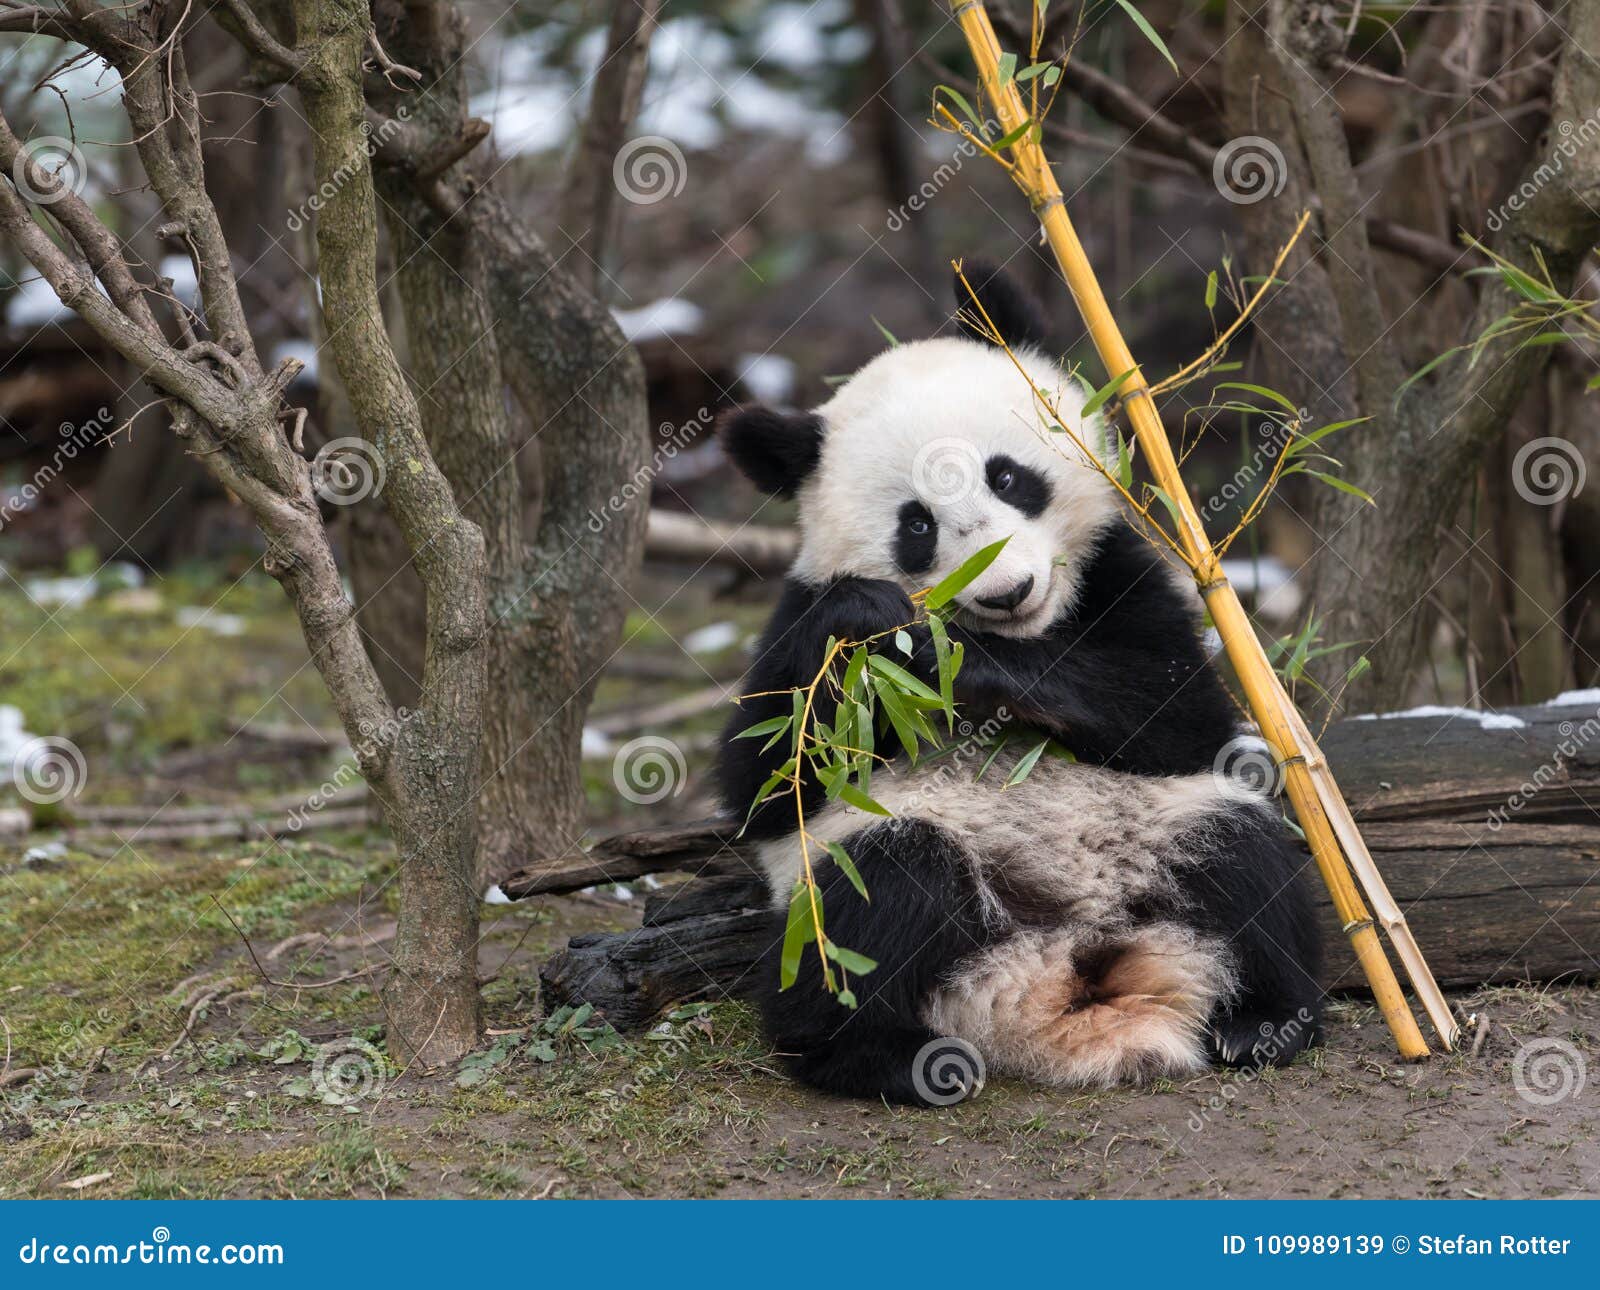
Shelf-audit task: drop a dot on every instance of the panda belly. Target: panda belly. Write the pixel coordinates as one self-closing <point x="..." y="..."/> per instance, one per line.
<point x="1084" y="971"/>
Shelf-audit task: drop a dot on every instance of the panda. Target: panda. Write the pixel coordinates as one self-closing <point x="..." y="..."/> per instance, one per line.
<point x="1110" y="918"/>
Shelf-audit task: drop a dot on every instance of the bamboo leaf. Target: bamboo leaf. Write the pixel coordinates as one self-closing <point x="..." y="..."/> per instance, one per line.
<point x="1264" y="392"/>
<point x="888" y="668"/>
<point x="850" y="961"/>
<point x="1342" y="485"/>
<point x="1007" y="69"/>
<point x="902" y="642"/>
<point x="1012" y="135"/>
<point x="1423" y="371"/>
<point x="1143" y="24"/>
<point x="852" y="673"/>
<point x="956" y="97"/>
<point x="962" y="578"/>
<point x="1034" y="69"/>
<point x="887" y="334"/>
<point x="1098" y="399"/>
<point x="989" y="761"/>
<point x="764" y="727"/>
<point x="799" y="931"/>
<point x="941" y="662"/>
<point x="1025" y="765"/>
<point x="850" y="793"/>
<point x="1360" y="667"/>
<point x="847" y="867"/>
<point x="1211" y="290"/>
<point x="1124" y="462"/>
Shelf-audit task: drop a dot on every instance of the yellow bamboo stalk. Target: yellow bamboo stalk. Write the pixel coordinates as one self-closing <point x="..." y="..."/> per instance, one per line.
<point x="1291" y="744"/>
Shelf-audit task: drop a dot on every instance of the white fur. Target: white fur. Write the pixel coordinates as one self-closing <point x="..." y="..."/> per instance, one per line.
<point x="919" y="421"/>
<point x="1095" y="839"/>
<point x="1026" y="1006"/>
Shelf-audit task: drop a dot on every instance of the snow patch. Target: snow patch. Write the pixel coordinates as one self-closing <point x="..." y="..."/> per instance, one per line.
<point x="192" y="616"/>
<point x="671" y="316"/>
<point x="1486" y="720"/>
<point x="1588" y="698"/>
<point x="712" y="638"/>
<point x="768" y="377"/>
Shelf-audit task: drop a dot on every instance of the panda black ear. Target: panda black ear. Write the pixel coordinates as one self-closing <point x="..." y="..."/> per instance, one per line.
<point x="775" y="450"/>
<point x="1015" y="313"/>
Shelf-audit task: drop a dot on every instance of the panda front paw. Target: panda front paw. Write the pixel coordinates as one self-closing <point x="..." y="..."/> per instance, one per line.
<point x="1249" y="1040"/>
<point x="857" y="608"/>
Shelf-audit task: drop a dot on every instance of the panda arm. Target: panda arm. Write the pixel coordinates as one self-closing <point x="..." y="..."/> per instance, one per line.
<point x="787" y="657"/>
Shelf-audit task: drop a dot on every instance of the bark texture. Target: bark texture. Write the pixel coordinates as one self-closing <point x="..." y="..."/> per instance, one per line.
<point x="489" y="307"/>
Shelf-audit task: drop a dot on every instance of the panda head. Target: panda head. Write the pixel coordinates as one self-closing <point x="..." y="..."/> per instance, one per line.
<point x="933" y="451"/>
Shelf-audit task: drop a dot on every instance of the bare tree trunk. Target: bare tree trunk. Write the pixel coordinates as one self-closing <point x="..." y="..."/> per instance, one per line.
<point x="430" y="789"/>
<point x="499" y="310"/>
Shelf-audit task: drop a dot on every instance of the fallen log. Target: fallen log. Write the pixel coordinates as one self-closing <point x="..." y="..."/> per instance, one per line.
<point x="761" y="549"/>
<point x="688" y="847"/>
<point x="1489" y="838"/>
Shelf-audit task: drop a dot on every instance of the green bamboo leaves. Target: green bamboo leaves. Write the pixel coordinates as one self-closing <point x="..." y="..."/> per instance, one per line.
<point x="871" y="696"/>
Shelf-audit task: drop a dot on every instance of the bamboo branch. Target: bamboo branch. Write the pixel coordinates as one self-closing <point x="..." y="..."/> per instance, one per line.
<point x="1274" y="711"/>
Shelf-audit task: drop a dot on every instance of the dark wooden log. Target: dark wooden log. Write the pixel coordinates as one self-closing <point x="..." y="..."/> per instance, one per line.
<point x="1489" y="839"/>
<point x="632" y="977"/>
<point x="690" y="847"/>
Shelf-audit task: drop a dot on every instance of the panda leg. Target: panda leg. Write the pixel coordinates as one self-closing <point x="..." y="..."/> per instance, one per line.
<point x="923" y="917"/>
<point x="1252" y="892"/>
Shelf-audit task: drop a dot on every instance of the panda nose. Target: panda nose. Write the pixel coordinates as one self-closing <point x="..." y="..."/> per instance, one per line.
<point x="1010" y="599"/>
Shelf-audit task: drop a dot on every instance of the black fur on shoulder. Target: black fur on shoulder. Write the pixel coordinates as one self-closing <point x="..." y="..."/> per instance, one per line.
<point x="1016" y="315"/>
<point x="775" y="450"/>
<point x="1121" y="678"/>
<point x="917" y="875"/>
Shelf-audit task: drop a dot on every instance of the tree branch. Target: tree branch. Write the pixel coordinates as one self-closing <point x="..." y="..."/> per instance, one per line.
<point x="1302" y="41"/>
<point x="586" y="217"/>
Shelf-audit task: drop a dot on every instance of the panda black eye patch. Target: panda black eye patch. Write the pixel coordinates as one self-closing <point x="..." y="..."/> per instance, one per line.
<point x="1017" y="485"/>
<point x="916" y="538"/>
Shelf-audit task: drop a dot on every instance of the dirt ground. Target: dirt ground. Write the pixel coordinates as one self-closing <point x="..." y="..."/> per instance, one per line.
<point x="149" y="1051"/>
<point x="282" y="1092"/>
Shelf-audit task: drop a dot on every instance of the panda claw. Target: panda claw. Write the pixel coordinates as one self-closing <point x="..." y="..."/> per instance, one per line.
<point x="1252" y="1040"/>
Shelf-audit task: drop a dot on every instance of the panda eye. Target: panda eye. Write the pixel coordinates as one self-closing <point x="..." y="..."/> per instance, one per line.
<point x="917" y="526"/>
<point x="1004" y="479"/>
